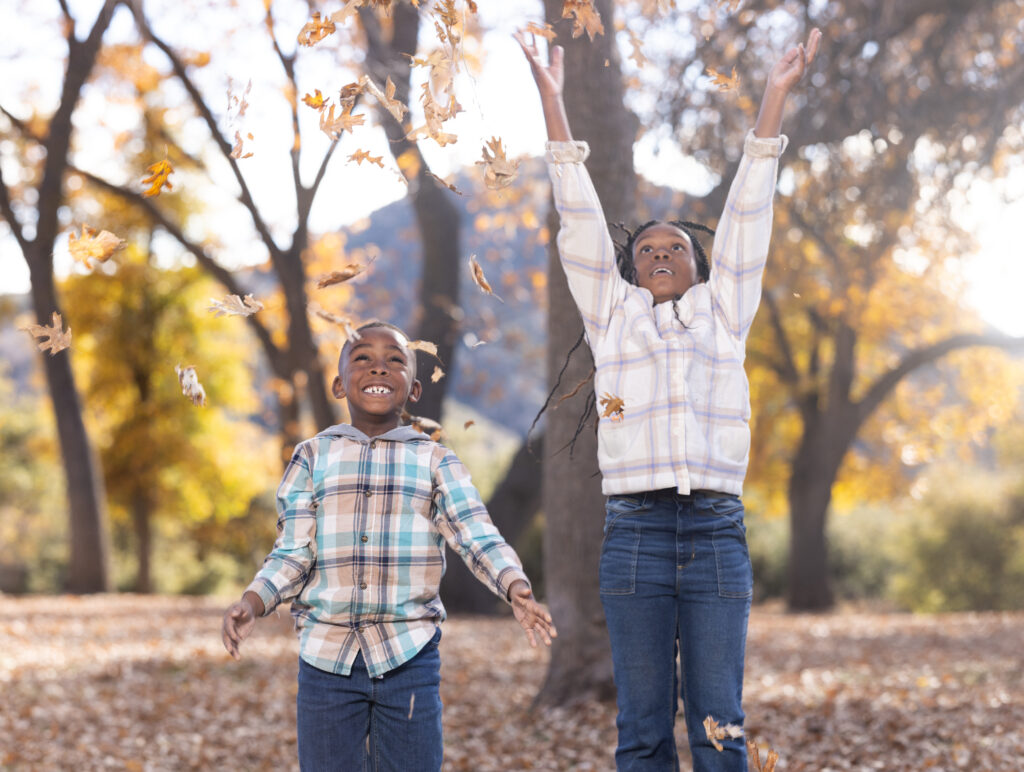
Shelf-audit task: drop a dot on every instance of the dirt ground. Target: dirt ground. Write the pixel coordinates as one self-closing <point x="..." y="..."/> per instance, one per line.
<point x="142" y="683"/>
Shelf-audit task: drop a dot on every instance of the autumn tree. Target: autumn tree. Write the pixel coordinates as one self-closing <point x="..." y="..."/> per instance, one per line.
<point x="907" y="105"/>
<point x="31" y="206"/>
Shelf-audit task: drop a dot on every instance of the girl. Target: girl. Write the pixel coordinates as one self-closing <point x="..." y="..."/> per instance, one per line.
<point x="668" y="333"/>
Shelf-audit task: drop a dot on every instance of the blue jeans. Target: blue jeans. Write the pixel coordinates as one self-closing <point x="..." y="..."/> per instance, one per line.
<point x="356" y="723"/>
<point x="675" y="578"/>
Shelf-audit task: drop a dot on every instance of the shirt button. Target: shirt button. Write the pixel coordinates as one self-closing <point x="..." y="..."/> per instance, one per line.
<point x="364" y="538"/>
<point x="367" y="493"/>
<point x="362" y="585"/>
<point x="373" y="444"/>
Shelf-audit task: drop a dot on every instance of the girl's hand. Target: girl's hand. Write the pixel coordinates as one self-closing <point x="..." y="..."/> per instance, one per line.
<point x="788" y="71"/>
<point x="549" y="77"/>
<point x="532" y="616"/>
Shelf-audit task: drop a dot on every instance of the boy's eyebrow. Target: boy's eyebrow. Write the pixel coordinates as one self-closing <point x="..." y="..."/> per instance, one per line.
<point x="356" y="346"/>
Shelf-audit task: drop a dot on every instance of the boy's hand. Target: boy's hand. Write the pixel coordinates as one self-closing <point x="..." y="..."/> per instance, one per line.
<point x="533" y="617"/>
<point x="549" y="77"/>
<point x="788" y="71"/>
<point x="239" y="620"/>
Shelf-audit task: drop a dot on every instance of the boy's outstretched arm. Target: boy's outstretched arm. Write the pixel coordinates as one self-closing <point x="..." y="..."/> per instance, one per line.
<point x="786" y="73"/>
<point x="532" y="616"/>
<point x="239" y="621"/>
<point x="549" y="78"/>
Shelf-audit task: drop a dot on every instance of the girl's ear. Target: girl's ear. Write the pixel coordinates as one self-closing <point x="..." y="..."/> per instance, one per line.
<point x="415" y="391"/>
<point x="337" y="388"/>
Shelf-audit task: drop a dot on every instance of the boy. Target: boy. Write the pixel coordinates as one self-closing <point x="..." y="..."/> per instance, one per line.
<point x="365" y="510"/>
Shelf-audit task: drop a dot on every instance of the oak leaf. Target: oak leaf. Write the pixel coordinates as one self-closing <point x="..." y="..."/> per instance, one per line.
<point x="92" y="245"/>
<point x="52" y="338"/>
<point x="585" y="17"/>
<point x="479" y="278"/>
<point x="424" y="345"/>
<point x="715" y="732"/>
<point x="386" y="97"/>
<point x="157" y="179"/>
<point x="190" y="385"/>
<point x="499" y="172"/>
<point x="723" y="81"/>
<point x="315" y="30"/>
<point x="337" y="277"/>
<point x="232" y="305"/>
<point x="364" y="155"/>
<point x="614" y="407"/>
<point x="546" y="31"/>
<point x="315" y="100"/>
<point x="333" y="126"/>
<point x="350" y="331"/>
<point x="754" y="753"/>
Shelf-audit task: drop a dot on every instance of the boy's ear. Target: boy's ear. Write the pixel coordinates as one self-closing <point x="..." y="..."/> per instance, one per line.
<point x="415" y="391"/>
<point x="337" y="388"/>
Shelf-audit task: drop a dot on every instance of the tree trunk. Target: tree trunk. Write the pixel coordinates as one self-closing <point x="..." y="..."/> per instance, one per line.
<point x="573" y="505"/>
<point x="89" y="546"/>
<point x="141" y="519"/>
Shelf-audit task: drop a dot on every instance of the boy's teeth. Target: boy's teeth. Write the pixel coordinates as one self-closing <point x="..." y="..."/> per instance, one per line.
<point x="377" y="390"/>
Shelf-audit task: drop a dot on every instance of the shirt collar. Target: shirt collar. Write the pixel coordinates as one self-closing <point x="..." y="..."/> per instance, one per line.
<point x="398" y="434"/>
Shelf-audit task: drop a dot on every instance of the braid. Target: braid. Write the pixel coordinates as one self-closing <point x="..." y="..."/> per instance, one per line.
<point x="558" y="382"/>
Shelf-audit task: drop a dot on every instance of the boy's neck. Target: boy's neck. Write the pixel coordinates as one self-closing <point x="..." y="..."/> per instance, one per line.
<point x="376" y="428"/>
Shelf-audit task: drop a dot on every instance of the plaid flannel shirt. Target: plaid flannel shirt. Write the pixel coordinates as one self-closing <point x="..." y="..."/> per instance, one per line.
<point x="685" y="393"/>
<point x="360" y="549"/>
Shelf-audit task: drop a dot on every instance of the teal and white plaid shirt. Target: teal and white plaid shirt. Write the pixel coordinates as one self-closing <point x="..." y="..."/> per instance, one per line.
<point x="360" y="549"/>
<point x="686" y="399"/>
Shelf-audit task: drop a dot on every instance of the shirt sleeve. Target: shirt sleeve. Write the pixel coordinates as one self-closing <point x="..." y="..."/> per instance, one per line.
<point x="744" y="230"/>
<point x="287" y="567"/>
<point x="584" y="246"/>
<point x="461" y="518"/>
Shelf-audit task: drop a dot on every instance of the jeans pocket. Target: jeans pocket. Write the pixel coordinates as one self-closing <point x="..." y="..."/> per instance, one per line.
<point x="619" y="551"/>
<point x="732" y="561"/>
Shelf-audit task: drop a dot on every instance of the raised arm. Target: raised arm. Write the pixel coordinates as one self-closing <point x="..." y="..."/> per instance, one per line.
<point x="786" y="73"/>
<point x="550" y="78"/>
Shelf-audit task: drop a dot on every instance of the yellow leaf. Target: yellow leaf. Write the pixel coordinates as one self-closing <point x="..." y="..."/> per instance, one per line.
<point x="546" y="31"/>
<point x="52" y="338"/>
<point x="614" y="407"/>
<point x="190" y="385"/>
<point x="157" y="179"/>
<point x="724" y="82"/>
<point x="315" y="30"/>
<point x="479" y="278"/>
<point x="93" y="246"/>
<point x="316" y="100"/>
<point x="409" y="164"/>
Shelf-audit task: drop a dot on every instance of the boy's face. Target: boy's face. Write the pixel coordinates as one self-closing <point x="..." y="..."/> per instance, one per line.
<point x="377" y="374"/>
<point x="665" y="263"/>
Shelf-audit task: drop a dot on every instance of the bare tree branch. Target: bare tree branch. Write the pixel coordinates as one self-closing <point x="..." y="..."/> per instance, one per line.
<point x="787" y="367"/>
<point x="8" y="212"/>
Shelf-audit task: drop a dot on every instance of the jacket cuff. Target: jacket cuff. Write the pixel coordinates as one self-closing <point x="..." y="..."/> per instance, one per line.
<point x="576" y="151"/>
<point x="764" y="147"/>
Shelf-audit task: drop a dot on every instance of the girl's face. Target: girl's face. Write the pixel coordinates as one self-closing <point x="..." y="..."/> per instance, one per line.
<point x="665" y="263"/>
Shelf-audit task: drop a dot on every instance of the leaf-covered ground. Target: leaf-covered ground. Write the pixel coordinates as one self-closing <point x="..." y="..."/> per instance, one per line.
<point x="137" y="683"/>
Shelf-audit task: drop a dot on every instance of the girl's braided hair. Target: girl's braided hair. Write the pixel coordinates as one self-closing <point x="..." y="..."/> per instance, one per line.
<point x="627" y="269"/>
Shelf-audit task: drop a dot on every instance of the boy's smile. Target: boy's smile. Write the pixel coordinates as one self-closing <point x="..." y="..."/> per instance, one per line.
<point x="377" y="375"/>
<point x="664" y="261"/>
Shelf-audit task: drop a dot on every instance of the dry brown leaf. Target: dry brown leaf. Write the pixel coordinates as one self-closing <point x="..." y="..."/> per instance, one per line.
<point x="190" y="385"/>
<point x="157" y="179"/>
<point x="543" y="30"/>
<point x="499" y="172"/>
<point x="232" y="305"/>
<point x="93" y="246"/>
<point x="479" y="278"/>
<point x="386" y="97"/>
<point x="350" y="331"/>
<point x="52" y="338"/>
<point x="716" y="732"/>
<point x="448" y="185"/>
<point x="754" y="753"/>
<point x="336" y="277"/>
<point x="732" y="5"/>
<point x="637" y="55"/>
<point x="468" y="424"/>
<point x="724" y="82"/>
<point x="236" y="151"/>
<point x="585" y="17"/>
<point x="614" y="407"/>
<point x="315" y="30"/>
<point x="437" y="375"/>
<point x="421" y="424"/>
<point x="364" y="155"/>
<point x="333" y="126"/>
<point x="425" y="346"/>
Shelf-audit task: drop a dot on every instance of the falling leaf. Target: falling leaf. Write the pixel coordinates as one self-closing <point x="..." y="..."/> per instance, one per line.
<point x="448" y="185"/>
<point x="468" y="424"/>
<point x="315" y="30"/>
<point x="637" y="56"/>
<point x="546" y="31"/>
<point x="724" y="82"/>
<point x="315" y="100"/>
<point x="479" y="278"/>
<point x="157" y="179"/>
<point x="755" y="755"/>
<point x="585" y="17"/>
<point x="386" y="97"/>
<point x="364" y="155"/>
<point x="437" y="375"/>
<point x="232" y="305"/>
<point x="337" y="277"/>
<point x="614" y="407"/>
<point x="52" y="338"/>
<point x="333" y="126"/>
<point x="422" y="424"/>
<point x="93" y="246"/>
<point x="732" y="4"/>
<point x="425" y="346"/>
<point x="499" y="172"/>
<point x="190" y="385"/>
<point x="350" y="331"/>
<point x="716" y="732"/>
<point x="236" y="151"/>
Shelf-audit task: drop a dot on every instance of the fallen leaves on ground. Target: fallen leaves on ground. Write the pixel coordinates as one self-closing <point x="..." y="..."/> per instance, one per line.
<point x="143" y="682"/>
<point x="52" y="338"/>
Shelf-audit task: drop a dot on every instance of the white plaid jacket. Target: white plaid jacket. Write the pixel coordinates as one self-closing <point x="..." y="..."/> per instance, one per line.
<point x="685" y="393"/>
